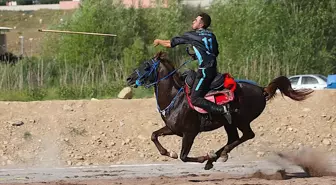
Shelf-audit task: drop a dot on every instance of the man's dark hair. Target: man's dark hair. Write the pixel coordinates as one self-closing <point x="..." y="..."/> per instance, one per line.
<point x="206" y="19"/>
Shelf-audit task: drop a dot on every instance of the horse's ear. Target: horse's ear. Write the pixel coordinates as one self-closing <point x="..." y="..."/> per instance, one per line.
<point x="161" y="55"/>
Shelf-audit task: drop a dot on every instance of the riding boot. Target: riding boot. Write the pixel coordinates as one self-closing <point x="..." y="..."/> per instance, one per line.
<point x="214" y="108"/>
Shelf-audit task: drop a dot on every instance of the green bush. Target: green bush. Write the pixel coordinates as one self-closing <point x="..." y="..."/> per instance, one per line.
<point x="258" y="40"/>
<point x="24" y="2"/>
<point x="49" y="1"/>
<point x="2" y="2"/>
<point x="263" y="39"/>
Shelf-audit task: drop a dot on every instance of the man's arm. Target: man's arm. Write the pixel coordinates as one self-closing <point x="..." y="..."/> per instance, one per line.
<point x="184" y="39"/>
<point x="165" y="43"/>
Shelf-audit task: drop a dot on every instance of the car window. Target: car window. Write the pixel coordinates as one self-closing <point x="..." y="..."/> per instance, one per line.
<point x="323" y="78"/>
<point x="309" y="80"/>
<point x="294" y="80"/>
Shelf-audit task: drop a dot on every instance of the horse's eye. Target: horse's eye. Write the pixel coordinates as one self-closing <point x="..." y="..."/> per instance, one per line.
<point x="147" y="66"/>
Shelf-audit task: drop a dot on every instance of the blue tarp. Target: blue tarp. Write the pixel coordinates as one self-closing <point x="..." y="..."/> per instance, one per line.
<point x="247" y="81"/>
<point x="331" y="81"/>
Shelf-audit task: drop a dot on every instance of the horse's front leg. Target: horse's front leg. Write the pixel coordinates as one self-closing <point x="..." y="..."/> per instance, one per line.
<point x="187" y="142"/>
<point x="233" y="136"/>
<point x="162" y="132"/>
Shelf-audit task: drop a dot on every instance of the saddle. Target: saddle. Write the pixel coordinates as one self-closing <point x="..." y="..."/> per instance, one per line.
<point x="221" y="89"/>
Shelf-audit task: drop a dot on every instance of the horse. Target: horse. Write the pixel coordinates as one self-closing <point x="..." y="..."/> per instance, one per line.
<point x="182" y="120"/>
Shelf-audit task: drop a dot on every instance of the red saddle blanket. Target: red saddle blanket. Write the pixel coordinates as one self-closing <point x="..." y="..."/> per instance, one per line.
<point x="219" y="97"/>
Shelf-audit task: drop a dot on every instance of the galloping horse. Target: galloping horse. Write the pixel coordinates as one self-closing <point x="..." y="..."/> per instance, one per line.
<point x="182" y="120"/>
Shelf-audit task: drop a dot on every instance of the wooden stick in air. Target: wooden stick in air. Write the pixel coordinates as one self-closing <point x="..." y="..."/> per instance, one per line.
<point x="75" y="32"/>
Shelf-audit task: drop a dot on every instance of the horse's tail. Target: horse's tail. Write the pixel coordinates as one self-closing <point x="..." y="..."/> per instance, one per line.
<point x="283" y="84"/>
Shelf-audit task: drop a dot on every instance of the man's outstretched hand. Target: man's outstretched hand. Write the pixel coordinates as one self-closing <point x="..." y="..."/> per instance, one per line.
<point x="165" y="43"/>
<point x="156" y="42"/>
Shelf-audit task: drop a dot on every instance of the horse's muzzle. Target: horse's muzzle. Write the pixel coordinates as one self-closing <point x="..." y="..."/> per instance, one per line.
<point x="131" y="82"/>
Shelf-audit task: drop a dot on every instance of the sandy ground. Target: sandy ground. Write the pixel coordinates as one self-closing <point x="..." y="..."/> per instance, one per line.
<point x="108" y="132"/>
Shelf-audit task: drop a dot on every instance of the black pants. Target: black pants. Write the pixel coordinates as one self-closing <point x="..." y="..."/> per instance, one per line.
<point x="201" y="87"/>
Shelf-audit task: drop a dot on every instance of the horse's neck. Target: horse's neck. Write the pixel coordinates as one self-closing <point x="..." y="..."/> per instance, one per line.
<point x="166" y="91"/>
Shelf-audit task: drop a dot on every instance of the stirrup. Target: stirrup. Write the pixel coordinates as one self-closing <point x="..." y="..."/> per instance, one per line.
<point x="227" y="113"/>
<point x="228" y="117"/>
<point x="226" y="108"/>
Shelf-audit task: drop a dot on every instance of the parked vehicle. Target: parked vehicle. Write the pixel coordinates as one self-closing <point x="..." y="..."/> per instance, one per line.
<point x="308" y="81"/>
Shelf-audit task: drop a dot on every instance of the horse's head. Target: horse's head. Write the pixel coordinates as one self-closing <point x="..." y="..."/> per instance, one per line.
<point x="146" y="73"/>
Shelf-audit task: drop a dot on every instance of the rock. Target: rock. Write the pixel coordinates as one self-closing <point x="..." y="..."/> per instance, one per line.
<point x="17" y="123"/>
<point x="261" y="128"/>
<point x="152" y="123"/>
<point x="79" y="157"/>
<point x="69" y="163"/>
<point x="88" y="155"/>
<point x="87" y="163"/>
<point x="112" y="144"/>
<point x="9" y="162"/>
<point x="142" y="155"/>
<point x="306" y="110"/>
<point x="329" y="118"/>
<point x="141" y="137"/>
<point x="260" y="154"/>
<point x="326" y="142"/>
<point x="125" y="93"/>
<point x="67" y="108"/>
<point x="94" y="99"/>
<point x="127" y="141"/>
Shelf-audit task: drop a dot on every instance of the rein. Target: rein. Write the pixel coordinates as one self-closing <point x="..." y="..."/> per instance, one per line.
<point x="154" y="68"/>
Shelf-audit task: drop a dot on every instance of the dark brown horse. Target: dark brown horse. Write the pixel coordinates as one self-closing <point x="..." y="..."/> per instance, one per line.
<point x="185" y="122"/>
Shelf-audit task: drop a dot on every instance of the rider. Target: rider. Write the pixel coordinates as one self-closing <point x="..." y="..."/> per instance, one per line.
<point x="205" y="47"/>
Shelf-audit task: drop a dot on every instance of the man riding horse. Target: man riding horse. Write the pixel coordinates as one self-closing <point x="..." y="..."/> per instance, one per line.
<point x="173" y="101"/>
<point x="205" y="46"/>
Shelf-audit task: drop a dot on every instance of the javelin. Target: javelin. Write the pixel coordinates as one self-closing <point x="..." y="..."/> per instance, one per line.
<point x="74" y="32"/>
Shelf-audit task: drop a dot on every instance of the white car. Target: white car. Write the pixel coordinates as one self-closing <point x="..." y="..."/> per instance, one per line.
<point x="308" y="81"/>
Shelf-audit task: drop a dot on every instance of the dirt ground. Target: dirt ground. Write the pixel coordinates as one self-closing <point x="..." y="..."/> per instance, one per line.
<point x="214" y="179"/>
<point x="105" y="132"/>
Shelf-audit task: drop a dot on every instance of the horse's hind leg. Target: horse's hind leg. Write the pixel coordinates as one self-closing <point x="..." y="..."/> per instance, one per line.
<point x="233" y="136"/>
<point x="162" y="132"/>
<point x="247" y="135"/>
<point x="187" y="142"/>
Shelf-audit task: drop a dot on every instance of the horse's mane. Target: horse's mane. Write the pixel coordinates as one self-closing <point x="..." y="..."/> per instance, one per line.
<point x="163" y="57"/>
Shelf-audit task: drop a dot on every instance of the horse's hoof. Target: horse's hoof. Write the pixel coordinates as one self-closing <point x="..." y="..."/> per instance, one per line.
<point x="173" y="155"/>
<point x="208" y="166"/>
<point x="224" y="157"/>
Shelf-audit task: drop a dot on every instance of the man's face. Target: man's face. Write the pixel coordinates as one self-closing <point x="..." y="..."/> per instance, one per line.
<point x="197" y="23"/>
